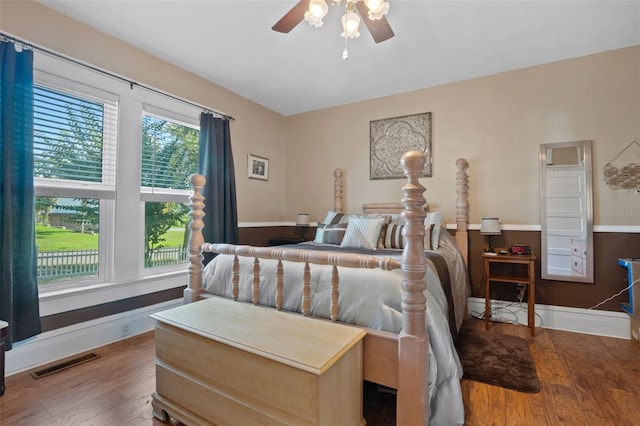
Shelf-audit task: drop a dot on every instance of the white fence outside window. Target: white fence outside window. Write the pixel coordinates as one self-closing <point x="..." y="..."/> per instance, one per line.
<point x="67" y="264"/>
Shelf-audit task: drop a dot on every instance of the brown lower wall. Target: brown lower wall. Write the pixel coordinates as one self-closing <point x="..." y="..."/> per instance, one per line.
<point x="610" y="278"/>
<point x="64" y="319"/>
<point x="260" y="236"/>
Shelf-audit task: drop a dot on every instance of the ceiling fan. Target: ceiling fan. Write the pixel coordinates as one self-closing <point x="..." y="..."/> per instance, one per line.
<point x="371" y="11"/>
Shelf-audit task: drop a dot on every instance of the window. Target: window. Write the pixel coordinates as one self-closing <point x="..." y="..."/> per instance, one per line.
<point x="74" y="176"/>
<point x="67" y="238"/>
<point x="169" y="156"/>
<point x="102" y="225"/>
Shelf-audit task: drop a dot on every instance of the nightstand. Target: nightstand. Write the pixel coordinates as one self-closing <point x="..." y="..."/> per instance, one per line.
<point x="506" y="275"/>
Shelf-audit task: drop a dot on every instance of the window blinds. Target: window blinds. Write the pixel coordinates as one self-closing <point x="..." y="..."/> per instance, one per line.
<point x="169" y="157"/>
<point x="74" y="141"/>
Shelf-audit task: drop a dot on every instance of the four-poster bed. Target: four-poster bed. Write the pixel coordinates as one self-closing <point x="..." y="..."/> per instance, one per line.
<point x="408" y="346"/>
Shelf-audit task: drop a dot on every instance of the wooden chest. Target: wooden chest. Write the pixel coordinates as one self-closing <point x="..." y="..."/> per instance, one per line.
<point x="229" y="363"/>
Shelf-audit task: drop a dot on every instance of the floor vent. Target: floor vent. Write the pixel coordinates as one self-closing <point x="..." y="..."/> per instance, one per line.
<point x="64" y="365"/>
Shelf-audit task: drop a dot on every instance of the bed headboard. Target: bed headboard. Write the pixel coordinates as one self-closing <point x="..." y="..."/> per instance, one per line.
<point x="389" y="208"/>
<point x="462" y="204"/>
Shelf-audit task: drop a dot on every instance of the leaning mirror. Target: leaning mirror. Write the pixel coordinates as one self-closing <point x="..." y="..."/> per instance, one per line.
<point x="566" y="212"/>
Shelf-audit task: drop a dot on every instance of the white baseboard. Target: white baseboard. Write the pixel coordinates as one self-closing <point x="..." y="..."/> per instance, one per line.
<point x="587" y="321"/>
<point x="54" y="345"/>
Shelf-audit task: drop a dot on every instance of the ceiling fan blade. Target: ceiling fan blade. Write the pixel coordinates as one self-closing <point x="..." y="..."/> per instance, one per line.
<point x="380" y="30"/>
<point x="292" y="17"/>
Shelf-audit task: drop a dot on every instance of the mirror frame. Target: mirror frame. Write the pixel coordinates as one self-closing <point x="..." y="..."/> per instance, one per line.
<point x="585" y="147"/>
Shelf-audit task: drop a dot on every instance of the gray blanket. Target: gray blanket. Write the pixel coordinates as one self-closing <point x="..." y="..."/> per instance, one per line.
<point x="372" y="298"/>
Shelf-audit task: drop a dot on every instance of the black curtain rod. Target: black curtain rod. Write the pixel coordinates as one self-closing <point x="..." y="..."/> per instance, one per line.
<point x="131" y="83"/>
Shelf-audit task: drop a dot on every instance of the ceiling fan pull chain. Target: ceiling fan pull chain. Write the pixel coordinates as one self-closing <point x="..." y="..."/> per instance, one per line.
<point x="345" y="52"/>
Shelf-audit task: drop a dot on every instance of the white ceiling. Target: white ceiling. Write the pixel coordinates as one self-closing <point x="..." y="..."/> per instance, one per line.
<point x="231" y="43"/>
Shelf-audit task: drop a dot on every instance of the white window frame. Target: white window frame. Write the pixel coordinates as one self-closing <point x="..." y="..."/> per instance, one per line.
<point x="105" y="191"/>
<point x="121" y="238"/>
<point x="149" y="194"/>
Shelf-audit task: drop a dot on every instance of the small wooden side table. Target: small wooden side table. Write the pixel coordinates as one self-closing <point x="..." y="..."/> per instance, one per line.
<point x="529" y="279"/>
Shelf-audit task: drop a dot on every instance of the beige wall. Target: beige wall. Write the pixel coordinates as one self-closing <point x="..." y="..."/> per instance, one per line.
<point x="497" y="123"/>
<point x="256" y="130"/>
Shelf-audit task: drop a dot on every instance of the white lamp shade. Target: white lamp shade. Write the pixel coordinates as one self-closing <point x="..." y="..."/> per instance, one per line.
<point x="302" y="219"/>
<point x="490" y="226"/>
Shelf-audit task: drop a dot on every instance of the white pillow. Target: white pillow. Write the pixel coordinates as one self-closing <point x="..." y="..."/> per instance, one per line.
<point x="435" y="219"/>
<point x="363" y="233"/>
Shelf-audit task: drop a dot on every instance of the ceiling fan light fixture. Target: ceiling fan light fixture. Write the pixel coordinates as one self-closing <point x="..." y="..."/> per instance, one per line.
<point x="377" y="8"/>
<point x="317" y="11"/>
<point x="313" y="11"/>
<point x="350" y="24"/>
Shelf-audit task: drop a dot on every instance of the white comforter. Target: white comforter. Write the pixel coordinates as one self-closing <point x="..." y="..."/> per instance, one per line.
<point x="370" y="298"/>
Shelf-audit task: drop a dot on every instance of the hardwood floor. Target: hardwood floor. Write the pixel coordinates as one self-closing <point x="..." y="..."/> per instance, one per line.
<point x="586" y="380"/>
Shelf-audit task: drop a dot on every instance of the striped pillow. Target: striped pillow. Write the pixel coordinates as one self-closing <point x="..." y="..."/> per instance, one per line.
<point x="383" y="231"/>
<point x="333" y="218"/>
<point x="330" y="233"/>
<point x="435" y="220"/>
<point x="394" y="239"/>
<point x="363" y="232"/>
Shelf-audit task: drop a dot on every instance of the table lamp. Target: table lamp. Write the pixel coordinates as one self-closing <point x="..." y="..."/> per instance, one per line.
<point x="302" y="224"/>
<point x="490" y="226"/>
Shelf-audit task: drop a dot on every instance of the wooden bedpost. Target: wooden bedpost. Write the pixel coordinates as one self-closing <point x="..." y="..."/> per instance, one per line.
<point x="337" y="190"/>
<point x="462" y="208"/>
<point x="196" y="240"/>
<point x="413" y="341"/>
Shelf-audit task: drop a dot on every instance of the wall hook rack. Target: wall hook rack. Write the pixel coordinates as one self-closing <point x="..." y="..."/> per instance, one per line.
<point x="624" y="176"/>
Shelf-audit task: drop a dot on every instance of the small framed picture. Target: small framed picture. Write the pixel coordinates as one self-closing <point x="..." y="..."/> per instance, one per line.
<point x="258" y="167"/>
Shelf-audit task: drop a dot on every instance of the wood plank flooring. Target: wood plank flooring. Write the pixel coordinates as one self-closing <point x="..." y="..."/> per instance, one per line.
<point x="586" y="380"/>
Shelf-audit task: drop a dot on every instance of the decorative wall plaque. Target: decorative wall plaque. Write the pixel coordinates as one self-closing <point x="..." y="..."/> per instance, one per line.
<point x="392" y="137"/>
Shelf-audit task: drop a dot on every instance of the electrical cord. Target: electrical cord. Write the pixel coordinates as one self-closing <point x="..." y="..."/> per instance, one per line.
<point x="492" y="311"/>
<point x="616" y="295"/>
<point x="505" y="309"/>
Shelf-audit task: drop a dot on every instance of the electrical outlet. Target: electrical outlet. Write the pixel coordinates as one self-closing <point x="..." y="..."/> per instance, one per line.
<point x="125" y="329"/>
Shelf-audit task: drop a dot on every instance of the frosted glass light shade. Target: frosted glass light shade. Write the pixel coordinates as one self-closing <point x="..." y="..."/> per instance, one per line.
<point x="377" y="8"/>
<point x="350" y="24"/>
<point x="373" y="4"/>
<point x="490" y="226"/>
<point x="317" y="11"/>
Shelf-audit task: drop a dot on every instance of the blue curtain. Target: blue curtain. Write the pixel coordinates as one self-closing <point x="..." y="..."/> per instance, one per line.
<point x="18" y="285"/>
<point x="216" y="164"/>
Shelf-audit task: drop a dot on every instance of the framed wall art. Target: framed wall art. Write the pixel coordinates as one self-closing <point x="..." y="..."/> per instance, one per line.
<point x="258" y="167"/>
<point x="392" y="137"/>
